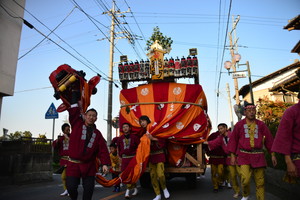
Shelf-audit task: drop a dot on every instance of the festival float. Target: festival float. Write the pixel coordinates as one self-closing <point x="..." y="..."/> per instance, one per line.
<point x="178" y="113"/>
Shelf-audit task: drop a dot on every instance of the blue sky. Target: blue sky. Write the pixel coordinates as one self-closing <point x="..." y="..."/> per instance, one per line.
<point x="191" y="24"/>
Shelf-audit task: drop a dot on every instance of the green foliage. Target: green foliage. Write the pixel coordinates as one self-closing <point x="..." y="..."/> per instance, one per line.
<point x="42" y="139"/>
<point x="27" y="134"/>
<point x="270" y="113"/>
<point x="55" y="166"/>
<point x="164" y="41"/>
<point x="19" y="135"/>
<point x="15" y="136"/>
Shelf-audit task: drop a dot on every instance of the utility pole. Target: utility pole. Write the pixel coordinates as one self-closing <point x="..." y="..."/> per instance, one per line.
<point x="233" y="46"/>
<point x="250" y="83"/>
<point x="230" y="106"/>
<point x="114" y="14"/>
<point x="235" y="58"/>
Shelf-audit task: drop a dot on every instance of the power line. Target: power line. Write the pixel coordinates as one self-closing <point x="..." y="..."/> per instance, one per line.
<point x="221" y="64"/>
<point x="136" y="21"/>
<point x="90" y="18"/>
<point x="30" y="90"/>
<point x="137" y="26"/>
<point x="16" y="17"/>
<point x="32" y="27"/>
<point x="210" y="15"/>
<point x="127" y="33"/>
<point x="47" y="35"/>
<point x="219" y="24"/>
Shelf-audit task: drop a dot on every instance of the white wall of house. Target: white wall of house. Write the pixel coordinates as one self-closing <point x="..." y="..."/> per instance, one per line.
<point x="262" y="90"/>
<point x="10" y="35"/>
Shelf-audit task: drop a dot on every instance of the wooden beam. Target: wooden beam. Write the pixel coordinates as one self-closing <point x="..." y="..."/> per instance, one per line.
<point x="193" y="160"/>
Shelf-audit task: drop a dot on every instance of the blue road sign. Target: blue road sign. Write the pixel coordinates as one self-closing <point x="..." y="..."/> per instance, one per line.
<point x="51" y="112"/>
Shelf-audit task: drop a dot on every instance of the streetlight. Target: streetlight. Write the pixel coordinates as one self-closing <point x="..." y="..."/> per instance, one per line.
<point x="237" y="57"/>
<point x="115" y="124"/>
<point x="227" y="65"/>
<point x="241" y="73"/>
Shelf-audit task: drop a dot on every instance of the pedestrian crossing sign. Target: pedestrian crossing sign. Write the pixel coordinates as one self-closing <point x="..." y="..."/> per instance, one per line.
<point x="51" y="112"/>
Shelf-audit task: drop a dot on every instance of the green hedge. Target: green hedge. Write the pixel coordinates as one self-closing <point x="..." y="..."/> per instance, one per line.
<point x="270" y="112"/>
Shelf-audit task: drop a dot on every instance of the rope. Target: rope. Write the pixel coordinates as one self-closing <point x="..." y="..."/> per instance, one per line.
<point x="164" y="102"/>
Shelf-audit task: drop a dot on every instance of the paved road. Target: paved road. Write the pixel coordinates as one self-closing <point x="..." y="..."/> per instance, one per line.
<point x="177" y="187"/>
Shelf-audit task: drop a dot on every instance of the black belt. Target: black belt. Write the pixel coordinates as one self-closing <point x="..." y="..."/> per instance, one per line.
<point x="252" y="151"/>
<point x="128" y="156"/>
<point x="217" y="156"/>
<point x="156" y="152"/>
<point x="65" y="158"/>
<point x="295" y="156"/>
<point x="74" y="161"/>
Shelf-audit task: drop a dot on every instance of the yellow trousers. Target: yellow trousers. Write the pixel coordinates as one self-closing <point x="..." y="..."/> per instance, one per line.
<point x="217" y="175"/>
<point x="63" y="178"/>
<point x="234" y="176"/>
<point x="157" y="174"/>
<point x="226" y="175"/>
<point x="131" y="186"/>
<point x="259" y="178"/>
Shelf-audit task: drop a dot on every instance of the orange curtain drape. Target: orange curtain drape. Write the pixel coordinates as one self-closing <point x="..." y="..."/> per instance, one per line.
<point x="178" y="112"/>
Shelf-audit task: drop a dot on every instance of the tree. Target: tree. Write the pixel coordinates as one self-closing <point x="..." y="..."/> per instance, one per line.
<point x="19" y="134"/>
<point x="270" y="112"/>
<point x="27" y="135"/>
<point x="42" y="138"/>
<point x="15" y="136"/>
<point x="164" y="41"/>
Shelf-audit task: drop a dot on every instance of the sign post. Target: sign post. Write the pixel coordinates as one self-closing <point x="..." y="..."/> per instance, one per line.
<point x="240" y="74"/>
<point x="52" y="114"/>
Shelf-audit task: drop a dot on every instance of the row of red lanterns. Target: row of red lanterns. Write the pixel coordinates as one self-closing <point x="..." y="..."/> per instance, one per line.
<point x="184" y="67"/>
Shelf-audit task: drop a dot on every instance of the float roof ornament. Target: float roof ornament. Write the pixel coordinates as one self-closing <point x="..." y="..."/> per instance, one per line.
<point x="155" y="47"/>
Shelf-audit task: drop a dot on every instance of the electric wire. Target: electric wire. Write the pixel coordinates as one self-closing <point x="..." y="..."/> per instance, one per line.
<point x="137" y="26"/>
<point x="217" y="61"/>
<point x="32" y="27"/>
<point x="29" y="90"/>
<point x="127" y="34"/>
<point x="16" y="17"/>
<point x="136" y="22"/>
<point x="63" y="42"/>
<point x="229" y="11"/>
<point x="193" y="15"/>
<point x="47" y="35"/>
<point x="90" y="18"/>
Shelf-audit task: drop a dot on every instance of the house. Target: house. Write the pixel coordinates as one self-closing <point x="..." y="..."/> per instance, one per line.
<point x="281" y="85"/>
<point x="294" y="24"/>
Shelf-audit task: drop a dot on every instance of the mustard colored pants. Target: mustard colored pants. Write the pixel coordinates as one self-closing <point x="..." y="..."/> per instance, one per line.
<point x="217" y="175"/>
<point x="157" y="174"/>
<point x="234" y="176"/>
<point x="259" y="178"/>
<point x="131" y="186"/>
<point x="226" y="174"/>
<point x="63" y="178"/>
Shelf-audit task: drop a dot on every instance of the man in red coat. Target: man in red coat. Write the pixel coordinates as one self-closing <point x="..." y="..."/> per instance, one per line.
<point x="222" y="141"/>
<point x="127" y="145"/>
<point x="217" y="160"/>
<point x="62" y="144"/>
<point x="287" y="140"/>
<point x="86" y="143"/>
<point x="157" y="159"/>
<point x="247" y="140"/>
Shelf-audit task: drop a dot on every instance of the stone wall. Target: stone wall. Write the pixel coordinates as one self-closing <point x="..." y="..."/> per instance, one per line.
<point x="282" y="189"/>
<point x="25" y="161"/>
